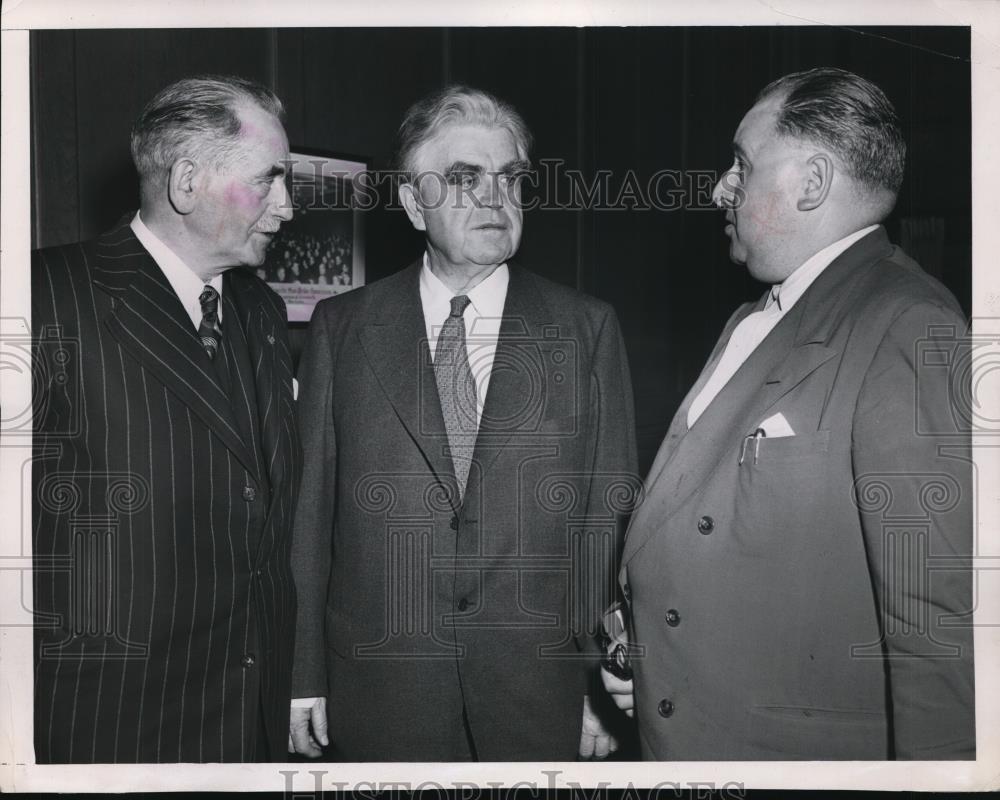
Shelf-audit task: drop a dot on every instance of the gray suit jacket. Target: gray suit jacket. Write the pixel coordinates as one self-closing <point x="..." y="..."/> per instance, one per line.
<point x="814" y="601"/>
<point x="416" y="610"/>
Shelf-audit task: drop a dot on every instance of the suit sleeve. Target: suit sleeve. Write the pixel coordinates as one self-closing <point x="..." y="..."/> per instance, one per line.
<point x="313" y="531"/>
<point x="905" y="439"/>
<point x="41" y="370"/>
<point x="614" y="479"/>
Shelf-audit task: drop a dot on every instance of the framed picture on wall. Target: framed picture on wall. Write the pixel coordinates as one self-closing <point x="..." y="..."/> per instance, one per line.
<point x="321" y="252"/>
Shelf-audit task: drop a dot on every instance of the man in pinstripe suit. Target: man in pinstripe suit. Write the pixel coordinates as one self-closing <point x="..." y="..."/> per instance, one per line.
<point x="166" y="454"/>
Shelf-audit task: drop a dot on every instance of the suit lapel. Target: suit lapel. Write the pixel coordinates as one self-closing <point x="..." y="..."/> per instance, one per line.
<point x="395" y="344"/>
<point x="149" y="322"/>
<point x="678" y="426"/>
<point x="792" y="351"/>
<point x="264" y="343"/>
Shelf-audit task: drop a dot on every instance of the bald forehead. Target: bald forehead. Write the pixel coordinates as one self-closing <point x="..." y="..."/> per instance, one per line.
<point x="257" y="122"/>
<point x="758" y="123"/>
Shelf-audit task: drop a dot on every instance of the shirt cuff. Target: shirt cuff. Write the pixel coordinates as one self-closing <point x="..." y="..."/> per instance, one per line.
<point x="303" y="702"/>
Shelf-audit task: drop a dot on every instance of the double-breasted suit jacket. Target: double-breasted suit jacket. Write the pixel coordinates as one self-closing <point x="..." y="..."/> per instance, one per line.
<point x="162" y="514"/>
<point x="809" y="596"/>
<point x="416" y="608"/>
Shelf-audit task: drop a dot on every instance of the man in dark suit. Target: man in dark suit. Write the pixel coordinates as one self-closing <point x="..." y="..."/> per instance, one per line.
<point x="166" y="453"/>
<point x="798" y="572"/>
<point x="471" y="440"/>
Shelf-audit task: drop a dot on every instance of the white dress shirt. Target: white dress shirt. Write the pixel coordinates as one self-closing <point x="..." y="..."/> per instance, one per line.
<point x="755" y="327"/>
<point x="482" y="321"/>
<point x="184" y="281"/>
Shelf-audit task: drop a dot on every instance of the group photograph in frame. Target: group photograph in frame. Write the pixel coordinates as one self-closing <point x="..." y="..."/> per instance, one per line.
<point x="628" y="247"/>
<point x="320" y="253"/>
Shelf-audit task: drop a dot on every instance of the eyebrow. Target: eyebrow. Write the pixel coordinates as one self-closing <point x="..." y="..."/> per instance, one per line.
<point x="275" y="171"/>
<point x="463" y="166"/>
<point x="517" y="165"/>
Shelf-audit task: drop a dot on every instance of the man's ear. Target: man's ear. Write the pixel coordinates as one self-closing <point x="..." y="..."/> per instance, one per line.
<point x="408" y="196"/>
<point x="182" y="185"/>
<point x="819" y="174"/>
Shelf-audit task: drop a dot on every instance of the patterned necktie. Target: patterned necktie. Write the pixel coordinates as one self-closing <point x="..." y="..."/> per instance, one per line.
<point x="457" y="390"/>
<point x="210" y="331"/>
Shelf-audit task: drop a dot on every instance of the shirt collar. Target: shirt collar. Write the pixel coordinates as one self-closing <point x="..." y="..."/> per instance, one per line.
<point x="787" y="293"/>
<point x="486" y="298"/>
<point x="183" y="280"/>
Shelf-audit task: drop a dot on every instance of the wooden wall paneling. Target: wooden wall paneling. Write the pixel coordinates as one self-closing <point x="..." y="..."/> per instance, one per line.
<point x="640" y="113"/>
<point x="109" y="95"/>
<point x="289" y="77"/>
<point x="55" y="180"/>
<point x="358" y="83"/>
<point x="169" y="54"/>
<point x="939" y="146"/>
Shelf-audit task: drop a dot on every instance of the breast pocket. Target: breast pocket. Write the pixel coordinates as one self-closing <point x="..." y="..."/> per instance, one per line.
<point x="778" y="452"/>
<point x="783" y="489"/>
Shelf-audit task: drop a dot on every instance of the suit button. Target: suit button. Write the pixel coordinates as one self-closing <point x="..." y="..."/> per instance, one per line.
<point x="249" y="493"/>
<point x="454" y="523"/>
<point x="673" y="618"/>
<point x="706" y="525"/>
<point x="248" y="660"/>
<point x="665" y="708"/>
<point x="463" y="604"/>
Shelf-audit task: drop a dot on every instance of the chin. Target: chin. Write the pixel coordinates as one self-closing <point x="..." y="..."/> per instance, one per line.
<point x="254" y="259"/>
<point x="760" y="274"/>
<point x="493" y="257"/>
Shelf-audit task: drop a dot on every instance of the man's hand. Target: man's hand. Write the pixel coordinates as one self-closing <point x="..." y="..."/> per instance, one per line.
<point x="307" y="729"/>
<point x="620" y="691"/>
<point x="595" y="741"/>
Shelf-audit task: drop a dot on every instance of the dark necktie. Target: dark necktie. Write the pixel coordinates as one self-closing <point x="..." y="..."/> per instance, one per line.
<point x="457" y="390"/>
<point x="210" y="331"/>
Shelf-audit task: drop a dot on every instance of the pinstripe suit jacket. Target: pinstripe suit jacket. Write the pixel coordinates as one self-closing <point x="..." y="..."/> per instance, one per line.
<point x="164" y="606"/>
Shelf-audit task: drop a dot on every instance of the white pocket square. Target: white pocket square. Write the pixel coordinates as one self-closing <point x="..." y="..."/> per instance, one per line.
<point x="776" y="427"/>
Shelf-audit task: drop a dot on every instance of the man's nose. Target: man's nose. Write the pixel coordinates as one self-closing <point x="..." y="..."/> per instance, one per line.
<point x="722" y="194"/>
<point x="282" y="206"/>
<point x="490" y="193"/>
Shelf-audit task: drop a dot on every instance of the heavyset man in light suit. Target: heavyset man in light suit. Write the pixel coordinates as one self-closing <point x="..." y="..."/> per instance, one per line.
<point x="166" y="452"/>
<point x="798" y="574"/>
<point x="470" y="441"/>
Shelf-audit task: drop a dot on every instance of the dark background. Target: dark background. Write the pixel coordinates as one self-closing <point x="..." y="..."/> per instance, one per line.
<point x="618" y="99"/>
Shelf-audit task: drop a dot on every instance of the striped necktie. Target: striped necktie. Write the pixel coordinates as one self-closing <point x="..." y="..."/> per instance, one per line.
<point x="457" y="390"/>
<point x="210" y="331"/>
